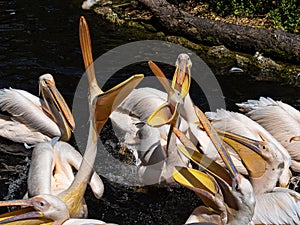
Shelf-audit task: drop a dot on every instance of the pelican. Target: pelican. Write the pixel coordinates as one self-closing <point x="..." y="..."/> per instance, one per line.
<point x="33" y="119"/>
<point x="145" y="119"/>
<point x="278" y="206"/>
<point x="266" y="167"/>
<point x="228" y="201"/>
<point x="280" y="119"/>
<point x="101" y="104"/>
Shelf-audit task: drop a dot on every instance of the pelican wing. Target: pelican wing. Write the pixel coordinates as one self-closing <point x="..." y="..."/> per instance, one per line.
<point x="142" y="102"/>
<point x="251" y="105"/>
<point x="35" y="100"/>
<point x="274" y="116"/>
<point x="150" y="151"/>
<point x="282" y="206"/>
<point x="18" y="132"/>
<point x="25" y="111"/>
<point x="280" y="120"/>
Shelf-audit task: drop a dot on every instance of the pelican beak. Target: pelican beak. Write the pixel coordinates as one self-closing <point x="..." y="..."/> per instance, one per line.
<point x="205" y="163"/>
<point x="223" y="177"/>
<point x="168" y="113"/>
<point x="202" y="184"/>
<point x="56" y="106"/>
<point x="182" y="76"/>
<point x="164" y="114"/>
<point x="250" y="152"/>
<point x="216" y="140"/>
<point x="108" y="101"/>
<point x="194" y="179"/>
<point x="29" y="212"/>
<point x="296" y="138"/>
<point x="103" y="102"/>
<point x="250" y="143"/>
<point x="86" y="49"/>
<point x="160" y="76"/>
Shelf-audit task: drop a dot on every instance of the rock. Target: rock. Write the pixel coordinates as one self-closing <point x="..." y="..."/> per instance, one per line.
<point x="264" y="62"/>
<point x="184" y="42"/>
<point x="242" y="60"/>
<point x="107" y="13"/>
<point x="220" y="52"/>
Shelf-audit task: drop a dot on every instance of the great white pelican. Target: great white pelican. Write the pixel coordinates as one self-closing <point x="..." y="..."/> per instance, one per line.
<point x="34" y="119"/>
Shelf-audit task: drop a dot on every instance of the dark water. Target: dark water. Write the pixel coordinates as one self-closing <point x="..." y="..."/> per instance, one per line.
<point x="38" y="37"/>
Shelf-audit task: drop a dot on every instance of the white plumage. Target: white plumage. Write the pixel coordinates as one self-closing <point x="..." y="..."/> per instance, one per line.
<point x="279" y="119"/>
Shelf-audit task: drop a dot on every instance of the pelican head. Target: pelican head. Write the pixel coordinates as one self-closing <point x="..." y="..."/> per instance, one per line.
<point x="168" y="112"/>
<point x="182" y="76"/>
<point x="44" y="207"/>
<point x="242" y="186"/>
<point x="55" y="106"/>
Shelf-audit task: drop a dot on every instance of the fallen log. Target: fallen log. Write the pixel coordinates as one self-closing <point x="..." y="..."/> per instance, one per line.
<point x="274" y="43"/>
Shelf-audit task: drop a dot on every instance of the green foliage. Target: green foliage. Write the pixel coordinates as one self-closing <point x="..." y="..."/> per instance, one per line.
<point x="284" y="13"/>
<point x="286" y="16"/>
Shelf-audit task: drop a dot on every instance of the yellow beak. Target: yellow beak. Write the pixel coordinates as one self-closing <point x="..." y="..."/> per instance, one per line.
<point x="216" y="140"/>
<point x="182" y="76"/>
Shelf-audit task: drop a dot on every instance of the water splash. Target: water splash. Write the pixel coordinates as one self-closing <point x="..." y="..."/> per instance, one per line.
<point x="15" y="184"/>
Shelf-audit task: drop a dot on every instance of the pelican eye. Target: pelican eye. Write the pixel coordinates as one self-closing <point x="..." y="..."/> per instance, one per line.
<point x="42" y="204"/>
<point x="237" y="187"/>
<point x="49" y="82"/>
<point x="235" y="184"/>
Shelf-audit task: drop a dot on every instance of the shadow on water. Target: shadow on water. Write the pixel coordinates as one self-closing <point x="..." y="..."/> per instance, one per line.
<point x="40" y="37"/>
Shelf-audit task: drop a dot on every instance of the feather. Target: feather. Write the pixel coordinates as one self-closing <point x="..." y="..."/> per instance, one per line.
<point x="24" y="111"/>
